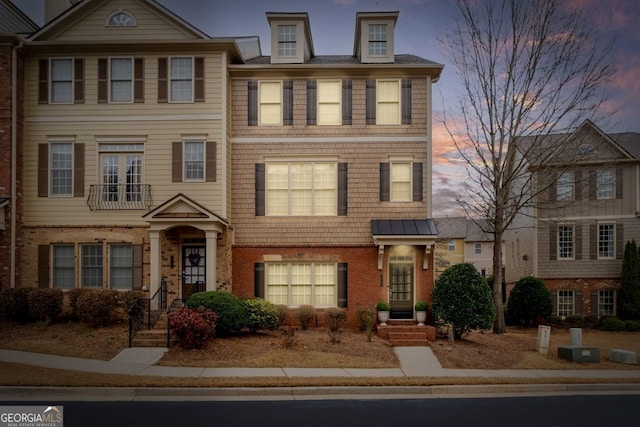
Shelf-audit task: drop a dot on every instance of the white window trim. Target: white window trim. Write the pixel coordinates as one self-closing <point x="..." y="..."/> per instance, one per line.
<point x="391" y="194"/>
<point x="118" y="12"/>
<point x="295" y="41"/>
<point x="184" y="160"/>
<point x="477" y="248"/>
<point x="52" y="264"/>
<point x="573" y="302"/>
<point x="110" y="80"/>
<point x="573" y="243"/>
<point x="73" y="79"/>
<point x="260" y="123"/>
<point x="81" y="266"/>
<point x="615" y="302"/>
<point x="566" y="196"/>
<point x="50" y="171"/>
<point x="613" y="240"/>
<point x="313" y="264"/>
<point x="107" y="274"/>
<point x="378" y="102"/>
<point x="319" y="120"/>
<point x="170" y="80"/>
<point x="613" y="184"/>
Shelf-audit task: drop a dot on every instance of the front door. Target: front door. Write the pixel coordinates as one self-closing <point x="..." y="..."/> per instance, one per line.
<point x="401" y="290"/>
<point x="194" y="270"/>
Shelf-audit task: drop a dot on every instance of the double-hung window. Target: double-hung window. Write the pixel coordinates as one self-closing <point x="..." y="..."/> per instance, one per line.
<point x="121" y="172"/>
<point x="377" y="39"/>
<point x="121" y="267"/>
<point x="606" y="241"/>
<point x="565" y="303"/>
<point x="287" y="40"/>
<point x="63" y="266"/>
<point x="181" y="79"/>
<point x="194" y="160"/>
<point x="91" y="266"/>
<point x="329" y="102"/>
<point x="388" y="102"/>
<point x="606" y="303"/>
<point x="401" y="186"/>
<point x="565" y="241"/>
<point x="478" y="248"/>
<point x="121" y="80"/>
<point x="302" y="284"/>
<point x="61" y="169"/>
<point x="451" y="245"/>
<point x="606" y="184"/>
<point x="565" y="186"/>
<point x="61" y="81"/>
<point x="301" y="188"/>
<point x="270" y="101"/>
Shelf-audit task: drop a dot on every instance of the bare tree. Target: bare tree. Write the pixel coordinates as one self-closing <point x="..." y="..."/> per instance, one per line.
<point x="529" y="69"/>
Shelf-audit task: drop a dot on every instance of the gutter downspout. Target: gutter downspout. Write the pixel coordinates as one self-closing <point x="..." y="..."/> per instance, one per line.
<point x="14" y="159"/>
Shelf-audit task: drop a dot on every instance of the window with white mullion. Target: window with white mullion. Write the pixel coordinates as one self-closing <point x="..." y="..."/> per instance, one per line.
<point x="565" y="186"/>
<point x="606" y="184"/>
<point x="121" y="267"/>
<point x="121" y="172"/>
<point x="607" y="303"/>
<point x="401" y="187"/>
<point x="121" y="80"/>
<point x="286" y="40"/>
<point x="61" y="168"/>
<point x="270" y="95"/>
<point x="388" y="100"/>
<point x="61" y="80"/>
<point x="181" y="79"/>
<point x="278" y="189"/>
<point x="329" y="102"/>
<point x="301" y="192"/>
<point x="110" y="177"/>
<point x="377" y="39"/>
<point x="134" y="178"/>
<point x="63" y="266"/>
<point x="324" y="189"/>
<point x="91" y="269"/>
<point x="565" y="242"/>
<point x="194" y="161"/>
<point x="606" y="241"/>
<point x="565" y="303"/>
<point x="300" y="284"/>
<point x="296" y="284"/>
<point x="324" y="284"/>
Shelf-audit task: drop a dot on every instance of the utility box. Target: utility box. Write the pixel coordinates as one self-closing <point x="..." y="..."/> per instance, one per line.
<point x="579" y="354"/>
<point x="544" y="334"/>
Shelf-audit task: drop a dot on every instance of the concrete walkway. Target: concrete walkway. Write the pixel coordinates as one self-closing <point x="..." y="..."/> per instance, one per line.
<point x="414" y="362"/>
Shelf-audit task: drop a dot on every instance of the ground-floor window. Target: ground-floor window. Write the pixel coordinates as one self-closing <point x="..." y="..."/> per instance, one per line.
<point x="296" y="284"/>
<point x="63" y="266"/>
<point x="565" y="303"/>
<point x="121" y="267"/>
<point x="91" y="266"/>
<point x="607" y="303"/>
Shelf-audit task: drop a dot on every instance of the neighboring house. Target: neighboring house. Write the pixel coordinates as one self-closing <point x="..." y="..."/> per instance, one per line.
<point x="588" y="208"/>
<point x="155" y="151"/>
<point x="13" y="24"/>
<point x="463" y="240"/>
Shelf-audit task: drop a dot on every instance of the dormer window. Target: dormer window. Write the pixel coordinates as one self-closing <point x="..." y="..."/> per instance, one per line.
<point x="121" y="19"/>
<point x="378" y="39"/>
<point x="287" y="40"/>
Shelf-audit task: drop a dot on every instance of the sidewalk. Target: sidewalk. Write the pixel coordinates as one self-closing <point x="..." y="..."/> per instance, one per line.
<point x="414" y="362"/>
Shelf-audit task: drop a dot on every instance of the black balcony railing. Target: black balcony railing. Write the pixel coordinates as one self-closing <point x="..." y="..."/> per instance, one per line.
<point x="119" y="197"/>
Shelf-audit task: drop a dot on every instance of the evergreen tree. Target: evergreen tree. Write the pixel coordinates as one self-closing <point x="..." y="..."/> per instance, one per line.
<point x="629" y="294"/>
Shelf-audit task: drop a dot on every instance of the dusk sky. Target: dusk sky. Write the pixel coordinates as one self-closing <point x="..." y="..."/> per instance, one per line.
<point x="418" y="27"/>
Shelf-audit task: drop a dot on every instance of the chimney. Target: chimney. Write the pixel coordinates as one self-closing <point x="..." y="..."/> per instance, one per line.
<point x="53" y="8"/>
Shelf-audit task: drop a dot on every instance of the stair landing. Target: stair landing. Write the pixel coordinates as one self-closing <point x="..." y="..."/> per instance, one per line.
<point x="154" y="337"/>
<point x="407" y="334"/>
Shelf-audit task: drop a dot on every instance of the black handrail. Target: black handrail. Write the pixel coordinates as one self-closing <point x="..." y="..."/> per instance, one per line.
<point x="152" y="307"/>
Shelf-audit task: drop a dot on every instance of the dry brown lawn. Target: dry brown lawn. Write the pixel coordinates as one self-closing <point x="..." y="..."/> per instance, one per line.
<point x="312" y="348"/>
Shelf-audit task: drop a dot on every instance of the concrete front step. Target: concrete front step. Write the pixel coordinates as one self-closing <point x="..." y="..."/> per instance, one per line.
<point x="410" y="343"/>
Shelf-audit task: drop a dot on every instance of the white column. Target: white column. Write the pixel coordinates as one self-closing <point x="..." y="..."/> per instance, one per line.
<point x="212" y="261"/>
<point x="155" y="269"/>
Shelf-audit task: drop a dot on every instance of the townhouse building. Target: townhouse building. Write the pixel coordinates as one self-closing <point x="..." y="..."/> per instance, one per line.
<point x="154" y="152"/>
<point x="588" y="207"/>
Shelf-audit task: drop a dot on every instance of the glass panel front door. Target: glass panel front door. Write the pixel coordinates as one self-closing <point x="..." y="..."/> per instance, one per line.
<point x="401" y="290"/>
<point x="194" y="270"/>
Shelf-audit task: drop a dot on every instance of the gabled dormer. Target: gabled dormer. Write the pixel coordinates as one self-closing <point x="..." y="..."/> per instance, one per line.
<point x="291" y="41"/>
<point x="374" y="37"/>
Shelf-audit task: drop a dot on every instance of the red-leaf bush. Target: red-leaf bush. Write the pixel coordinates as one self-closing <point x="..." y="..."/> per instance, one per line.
<point x="193" y="327"/>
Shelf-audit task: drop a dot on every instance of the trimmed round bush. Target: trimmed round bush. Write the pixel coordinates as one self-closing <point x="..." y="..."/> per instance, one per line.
<point x="193" y="327"/>
<point x="72" y="296"/>
<point x="98" y="307"/>
<point x="631" y="326"/>
<point x="461" y="296"/>
<point x="261" y="314"/>
<point x="14" y="304"/>
<point x="45" y="304"/>
<point x="231" y="310"/>
<point x="529" y="300"/>
<point x="612" y="324"/>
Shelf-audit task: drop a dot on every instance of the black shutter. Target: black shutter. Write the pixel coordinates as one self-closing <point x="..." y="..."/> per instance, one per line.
<point x="176" y="161"/>
<point x="371" y="102"/>
<point x="577" y="184"/>
<point x="593" y="241"/>
<point x="553" y="241"/>
<point x="342" y="284"/>
<point x="619" y="241"/>
<point x="78" y="170"/>
<point x="43" y="82"/>
<point x="43" y="170"/>
<point x="346" y="102"/>
<point x="78" y="81"/>
<point x="554" y="303"/>
<point x="578" y="303"/>
<point x="163" y="80"/>
<point x="260" y="189"/>
<point x="137" y="267"/>
<point x="103" y="94"/>
<point x="342" y="188"/>
<point x="619" y="182"/>
<point x="553" y="188"/>
<point x="198" y="81"/>
<point x="252" y="107"/>
<point x="593" y="184"/>
<point x="594" y="303"/>
<point x="138" y="80"/>
<point x="311" y="102"/>
<point x="385" y="169"/>
<point x="43" y="266"/>
<point x="211" y="161"/>
<point x="287" y="102"/>
<point x="258" y="279"/>
<point x="417" y="182"/>
<point x="578" y="241"/>
<point x="406" y="102"/>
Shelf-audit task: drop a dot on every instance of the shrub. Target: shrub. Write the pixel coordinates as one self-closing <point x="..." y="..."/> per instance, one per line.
<point x="45" y="304"/>
<point x="128" y="298"/>
<point x="193" y="327"/>
<point x="305" y="316"/>
<point x="98" y="307"/>
<point x="629" y="293"/>
<point x="230" y="309"/>
<point x="15" y="304"/>
<point x="287" y="337"/>
<point x="574" y="321"/>
<point x="612" y="324"/>
<point x="529" y="300"/>
<point x="631" y="326"/>
<point x="363" y="316"/>
<point x="556" y="321"/>
<point x="383" y="306"/>
<point x="461" y="296"/>
<point x="335" y="319"/>
<point x="283" y="312"/>
<point x="421" y="306"/>
<point x="73" y="295"/>
<point x="261" y="315"/>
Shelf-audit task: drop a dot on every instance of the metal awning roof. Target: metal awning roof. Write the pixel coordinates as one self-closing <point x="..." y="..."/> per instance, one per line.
<point x="404" y="227"/>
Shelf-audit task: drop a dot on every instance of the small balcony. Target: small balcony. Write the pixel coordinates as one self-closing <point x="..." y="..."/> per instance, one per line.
<point x="119" y="197"/>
